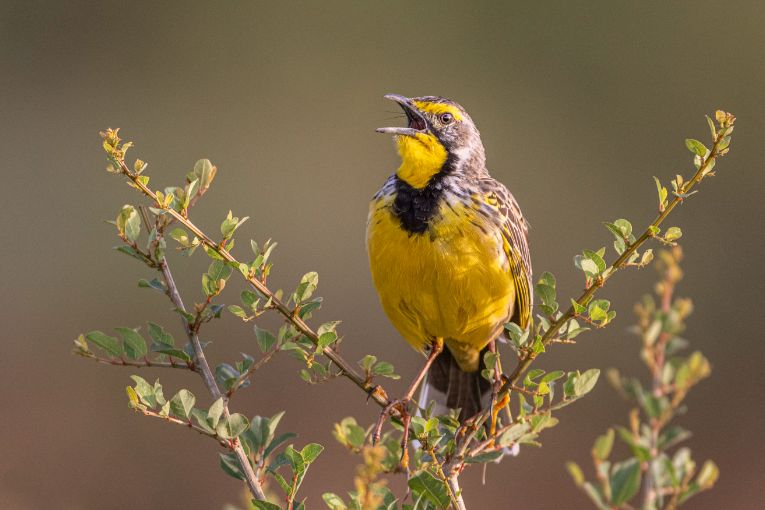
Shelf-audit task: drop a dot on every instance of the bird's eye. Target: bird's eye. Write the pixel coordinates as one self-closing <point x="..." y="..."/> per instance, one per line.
<point x="446" y="118"/>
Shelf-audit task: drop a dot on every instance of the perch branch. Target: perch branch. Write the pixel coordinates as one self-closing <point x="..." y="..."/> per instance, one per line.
<point x="207" y="376"/>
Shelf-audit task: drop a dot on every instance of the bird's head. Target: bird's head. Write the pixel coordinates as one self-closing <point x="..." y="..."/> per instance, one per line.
<point x="439" y="137"/>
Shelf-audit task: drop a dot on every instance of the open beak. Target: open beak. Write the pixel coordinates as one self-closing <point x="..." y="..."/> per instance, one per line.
<point x="415" y="120"/>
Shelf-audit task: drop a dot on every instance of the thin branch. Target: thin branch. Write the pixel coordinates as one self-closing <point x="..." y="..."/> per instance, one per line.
<point x="550" y="335"/>
<point x="122" y="362"/>
<point x="454" y="488"/>
<point x="253" y="368"/>
<point x="440" y="470"/>
<point x="718" y="149"/>
<point x="376" y="392"/>
<point x="657" y="368"/>
<point x="209" y="379"/>
<point x="188" y="424"/>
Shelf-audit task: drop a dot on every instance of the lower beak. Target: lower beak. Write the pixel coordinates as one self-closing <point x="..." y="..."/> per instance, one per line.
<point x="398" y="130"/>
<point x="415" y="118"/>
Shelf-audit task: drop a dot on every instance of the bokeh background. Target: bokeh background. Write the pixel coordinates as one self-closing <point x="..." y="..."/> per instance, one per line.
<point x="579" y="103"/>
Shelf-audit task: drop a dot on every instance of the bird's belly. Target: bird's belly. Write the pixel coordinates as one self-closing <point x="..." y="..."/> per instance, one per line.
<point x="452" y="281"/>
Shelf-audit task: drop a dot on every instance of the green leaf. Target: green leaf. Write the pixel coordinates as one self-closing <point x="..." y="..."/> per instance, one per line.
<point x="662" y="193"/>
<point x="129" y="223"/>
<point x="553" y="376"/>
<point x="538" y="346"/>
<point x="545" y="289"/>
<point x="151" y="284"/>
<point x="264" y="338"/>
<point x="219" y="270"/>
<point x="327" y="327"/>
<point x="133" y="343"/>
<point x="692" y="370"/>
<point x="385" y="369"/>
<point x="107" y="343"/>
<point x="708" y="475"/>
<point x="249" y="299"/>
<point x="128" y="250"/>
<point x="647" y="257"/>
<point x="308" y="307"/>
<point x="636" y="445"/>
<point x="517" y="336"/>
<point x="597" y="259"/>
<point x="671" y="436"/>
<point x="133" y="400"/>
<point x="183" y="239"/>
<point x="712" y="128"/>
<point x="204" y="171"/>
<point x="237" y="311"/>
<point x="306" y="287"/>
<point x="230" y="465"/>
<point x="594" y="494"/>
<point x="696" y="147"/>
<point x="200" y="417"/>
<point x="215" y="412"/>
<point x="160" y="336"/>
<point x="326" y="338"/>
<point x="548" y="279"/>
<point x="590" y="262"/>
<point x="625" y="481"/>
<point x="182" y="403"/>
<point x="543" y="421"/>
<point x="603" y="445"/>
<point x="145" y="391"/>
<point x="232" y="426"/>
<point x="349" y="433"/>
<point x="426" y="485"/>
<point x="264" y="505"/>
<point x="295" y="460"/>
<point x="578" y="309"/>
<point x="171" y="351"/>
<point x="673" y="233"/>
<point x="230" y="224"/>
<point x="586" y="382"/>
<point x="333" y="501"/>
<point x="257" y="436"/>
<point x="598" y="310"/>
<point x="576" y="473"/>
<point x="621" y="228"/>
<point x="367" y="362"/>
<point x="310" y="452"/>
<point x="209" y="286"/>
<point x="278" y="441"/>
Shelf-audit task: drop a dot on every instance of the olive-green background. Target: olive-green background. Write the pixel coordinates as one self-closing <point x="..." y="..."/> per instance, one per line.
<point x="579" y="103"/>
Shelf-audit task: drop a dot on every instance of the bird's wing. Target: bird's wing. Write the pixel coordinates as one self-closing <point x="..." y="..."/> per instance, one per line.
<point x="515" y="234"/>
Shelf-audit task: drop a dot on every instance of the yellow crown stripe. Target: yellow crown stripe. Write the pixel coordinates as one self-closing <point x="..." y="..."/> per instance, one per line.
<point x="438" y="108"/>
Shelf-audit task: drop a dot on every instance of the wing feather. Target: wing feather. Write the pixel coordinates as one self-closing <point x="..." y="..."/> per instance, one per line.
<point x="515" y="233"/>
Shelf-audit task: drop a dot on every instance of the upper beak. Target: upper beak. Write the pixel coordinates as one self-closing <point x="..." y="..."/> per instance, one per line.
<point x="416" y="122"/>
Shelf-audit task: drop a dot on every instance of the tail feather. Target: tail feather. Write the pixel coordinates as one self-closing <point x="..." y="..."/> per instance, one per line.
<point x="453" y="388"/>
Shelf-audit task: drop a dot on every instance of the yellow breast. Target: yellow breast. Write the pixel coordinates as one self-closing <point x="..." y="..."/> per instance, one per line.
<point x="452" y="281"/>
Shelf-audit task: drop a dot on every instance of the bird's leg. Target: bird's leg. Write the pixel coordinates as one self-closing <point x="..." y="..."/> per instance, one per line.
<point x="495" y="405"/>
<point x="404" y="462"/>
<point x="435" y="349"/>
<point x="402" y="405"/>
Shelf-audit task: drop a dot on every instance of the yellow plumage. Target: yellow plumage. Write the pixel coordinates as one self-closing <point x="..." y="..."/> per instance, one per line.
<point x="454" y="284"/>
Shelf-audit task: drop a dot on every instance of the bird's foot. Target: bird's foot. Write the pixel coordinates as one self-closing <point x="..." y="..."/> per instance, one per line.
<point x="399" y="408"/>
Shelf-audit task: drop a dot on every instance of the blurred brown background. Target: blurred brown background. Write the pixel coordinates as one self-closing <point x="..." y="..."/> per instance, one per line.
<point x="579" y="103"/>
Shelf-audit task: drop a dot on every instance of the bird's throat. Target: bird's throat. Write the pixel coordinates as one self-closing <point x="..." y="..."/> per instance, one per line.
<point x="422" y="157"/>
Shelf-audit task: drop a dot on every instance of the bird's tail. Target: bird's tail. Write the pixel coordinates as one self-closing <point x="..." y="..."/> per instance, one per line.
<point x="453" y="388"/>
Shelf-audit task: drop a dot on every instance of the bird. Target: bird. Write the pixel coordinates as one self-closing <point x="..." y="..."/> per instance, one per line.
<point x="448" y="252"/>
